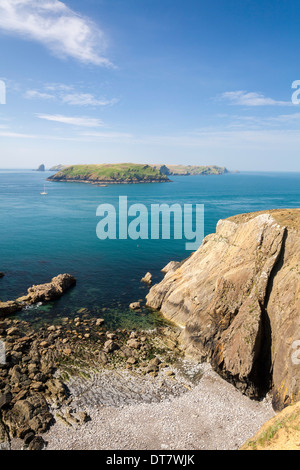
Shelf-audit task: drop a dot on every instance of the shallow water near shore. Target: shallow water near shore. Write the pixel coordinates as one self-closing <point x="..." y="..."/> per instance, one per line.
<point x="43" y="236"/>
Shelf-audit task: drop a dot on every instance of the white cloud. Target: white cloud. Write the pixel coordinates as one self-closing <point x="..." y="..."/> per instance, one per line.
<point x="53" y="24"/>
<point x="244" y="98"/>
<point x="74" y="121"/>
<point x="31" y="94"/>
<point x="86" y="99"/>
<point x="58" y="87"/>
<point x="287" y="118"/>
<point x="17" y="135"/>
<point x="107" y="135"/>
<point x="282" y="121"/>
<point x="59" y="93"/>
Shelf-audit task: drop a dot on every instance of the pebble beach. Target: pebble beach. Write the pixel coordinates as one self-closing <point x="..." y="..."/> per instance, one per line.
<point x="160" y="413"/>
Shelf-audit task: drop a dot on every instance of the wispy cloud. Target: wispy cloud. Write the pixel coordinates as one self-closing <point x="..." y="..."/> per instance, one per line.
<point x="74" y="121"/>
<point x="86" y="99"/>
<point x="281" y="121"/>
<point x="32" y="94"/>
<point x="53" y="24"/>
<point x="58" y="87"/>
<point x="17" y="135"/>
<point x="65" y="96"/>
<point x="107" y="135"/>
<point x="244" y="98"/>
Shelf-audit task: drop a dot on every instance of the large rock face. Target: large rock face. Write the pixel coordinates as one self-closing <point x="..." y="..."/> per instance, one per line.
<point x="238" y="299"/>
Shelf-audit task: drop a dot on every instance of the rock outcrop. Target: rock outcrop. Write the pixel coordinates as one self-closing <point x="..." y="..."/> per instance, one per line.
<point x="40" y="293"/>
<point x="147" y="279"/>
<point x="49" y="291"/>
<point x="238" y="300"/>
<point x="9" y="308"/>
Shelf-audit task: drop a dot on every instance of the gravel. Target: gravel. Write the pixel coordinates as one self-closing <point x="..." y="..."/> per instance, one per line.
<point x="128" y="411"/>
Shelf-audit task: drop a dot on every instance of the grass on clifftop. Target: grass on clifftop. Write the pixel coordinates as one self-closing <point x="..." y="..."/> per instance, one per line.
<point x="280" y="433"/>
<point x="184" y="170"/>
<point x="196" y="170"/>
<point x="110" y="173"/>
<point x="289" y="218"/>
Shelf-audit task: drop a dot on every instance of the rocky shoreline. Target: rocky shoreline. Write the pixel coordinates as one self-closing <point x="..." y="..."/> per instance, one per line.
<point x="104" y="183"/>
<point x="77" y="385"/>
<point x="34" y="381"/>
<point x="80" y="376"/>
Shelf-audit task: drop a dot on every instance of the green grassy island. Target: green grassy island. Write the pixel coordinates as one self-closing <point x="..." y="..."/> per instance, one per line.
<point x="185" y="170"/>
<point x="110" y="173"/>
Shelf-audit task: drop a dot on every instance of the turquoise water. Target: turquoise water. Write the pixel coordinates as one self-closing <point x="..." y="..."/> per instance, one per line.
<point x="42" y="236"/>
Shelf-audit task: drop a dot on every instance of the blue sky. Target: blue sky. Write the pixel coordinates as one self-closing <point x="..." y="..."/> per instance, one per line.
<point x="154" y="81"/>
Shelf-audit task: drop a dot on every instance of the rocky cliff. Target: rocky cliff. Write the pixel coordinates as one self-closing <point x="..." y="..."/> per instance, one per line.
<point x="238" y="300"/>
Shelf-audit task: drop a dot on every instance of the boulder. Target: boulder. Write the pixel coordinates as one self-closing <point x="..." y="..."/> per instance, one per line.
<point x="31" y="414"/>
<point x="4" y="437"/>
<point x="9" y="308"/>
<point x="133" y="343"/>
<point x="110" y="346"/>
<point x="56" y="388"/>
<point x="37" y="443"/>
<point x="147" y="279"/>
<point x="135" y="305"/>
<point x="5" y="399"/>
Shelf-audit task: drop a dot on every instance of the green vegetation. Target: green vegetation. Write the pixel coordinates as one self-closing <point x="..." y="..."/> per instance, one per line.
<point x="110" y="173"/>
<point x="191" y="170"/>
<point x="58" y="167"/>
<point x="280" y="433"/>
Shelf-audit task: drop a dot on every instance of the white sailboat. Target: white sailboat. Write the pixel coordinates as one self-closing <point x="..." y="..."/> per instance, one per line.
<point x="44" y="193"/>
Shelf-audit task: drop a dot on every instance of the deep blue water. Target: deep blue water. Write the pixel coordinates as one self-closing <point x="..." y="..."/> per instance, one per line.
<point x="42" y="236"/>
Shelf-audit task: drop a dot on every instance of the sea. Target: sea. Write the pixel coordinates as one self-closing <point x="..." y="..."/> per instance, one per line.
<point x="42" y="236"/>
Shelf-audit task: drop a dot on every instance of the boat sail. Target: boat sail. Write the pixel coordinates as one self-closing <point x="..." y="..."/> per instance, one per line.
<point x="44" y="193"/>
